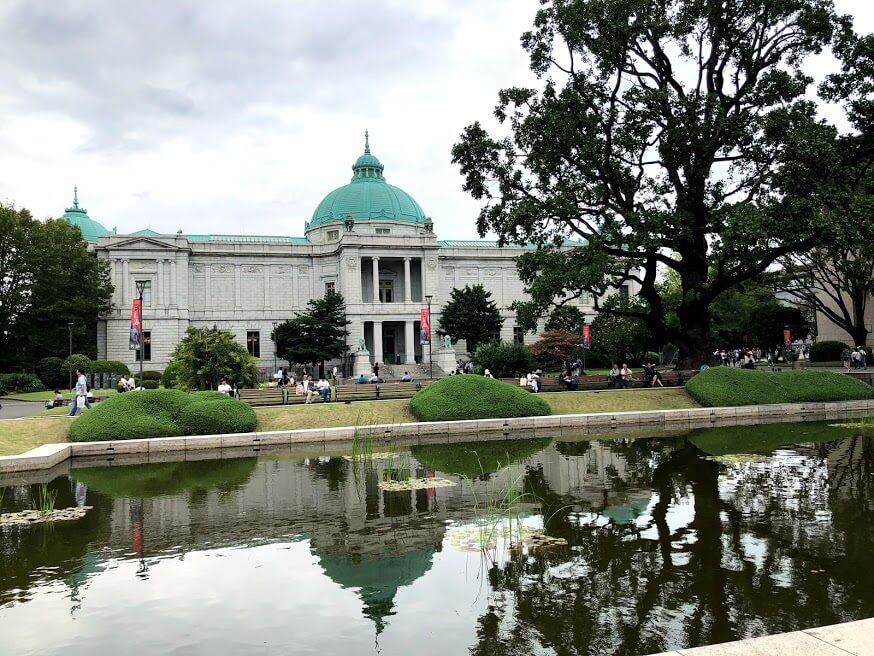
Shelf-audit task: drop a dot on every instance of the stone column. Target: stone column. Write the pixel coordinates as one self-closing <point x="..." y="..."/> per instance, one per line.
<point x="113" y="277"/>
<point x="267" y="304"/>
<point x="159" y="284"/>
<point x="125" y="283"/>
<point x="409" y="342"/>
<point x="207" y="286"/>
<point x="237" y="283"/>
<point x="377" y="341"/>
<point x="174" y="300"/>
<point x="376" y="289"/>
<point x="408" y="282"/>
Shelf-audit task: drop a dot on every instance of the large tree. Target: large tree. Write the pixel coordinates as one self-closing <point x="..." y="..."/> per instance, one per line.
<point x="316" y="335"/>
<point x="471" y="315"/>
<point x="667" y="134"/>
<point x="206" y="355"/>
<point x="47" y="280"/>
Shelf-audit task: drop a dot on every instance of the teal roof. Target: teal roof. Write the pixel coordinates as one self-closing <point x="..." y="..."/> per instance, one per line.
<point x="148" y="232"/>
<point x="368" y="197"/>
<point x="78" y="216"/>
<point x="250" y="239"/>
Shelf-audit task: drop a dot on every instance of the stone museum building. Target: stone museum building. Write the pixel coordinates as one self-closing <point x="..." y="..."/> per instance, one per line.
<point x="368" y="240"/>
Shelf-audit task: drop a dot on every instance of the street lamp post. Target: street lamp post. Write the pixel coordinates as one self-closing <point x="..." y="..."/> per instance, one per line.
<point x="70" y="335"/>
<point x="428" y="298"/>
<point x="141" y="286"/>
<point x="275" y="323"/>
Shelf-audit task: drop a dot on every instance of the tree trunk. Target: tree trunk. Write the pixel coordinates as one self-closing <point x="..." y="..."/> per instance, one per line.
<point x="693" y="337"/>
<point x="859" y="332"/>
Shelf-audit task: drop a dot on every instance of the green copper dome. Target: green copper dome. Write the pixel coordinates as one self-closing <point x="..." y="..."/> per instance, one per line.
<point x="78" y="216"/>
<point x="368" y="197"/>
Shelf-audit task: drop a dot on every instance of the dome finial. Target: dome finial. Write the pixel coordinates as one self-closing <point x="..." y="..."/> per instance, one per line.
<point x="76" y="197"/>
<point x="366" y="142"/>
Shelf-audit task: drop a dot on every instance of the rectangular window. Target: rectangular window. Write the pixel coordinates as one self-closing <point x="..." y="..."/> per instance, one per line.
<point x="329" y="286"/>
<point x="147" y="343"/>
<point x="383" y="231"/>
<point x="518" y="335"/>
<point x="623" y="292"/>
<point x="333" y="234"/>
<point x="253" y="343"/>
<point x="147" y="292"/>
<point x="386" y="288"/>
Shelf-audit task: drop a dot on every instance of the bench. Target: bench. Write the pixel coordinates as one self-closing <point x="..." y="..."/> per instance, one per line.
<point x="263" y="396"/>
<point x="670" y="378"/>
<point x="347" y="393"/>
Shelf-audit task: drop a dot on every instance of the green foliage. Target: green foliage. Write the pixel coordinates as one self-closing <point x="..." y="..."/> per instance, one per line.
<point x="12" y="383"/>
<point x="170" y="377"/>
<point x="728" y="386"/>
<point x="50" y="372"/>
<point x="556" y="347"/>
<point x="751" y="315"/>
<point x="109" y="367"/>
<point x="503" y="360"/>
<point x="827" y="351"/>
<point x="620" y="338"/>
<point x="316" y="335"/>
<point x="166" y="478"/>
<point x="206" y="355"/>
<point x="566" y="317"/>
<point x="151" y="375"/>
<point x="160" y="413"/>
<point x="764" y="438"/>
<point x="209" y="413"/>
<point x="150" y="384"/>
<point x="475" y="397"/>
<point x="663" y="137"/>
<point x="477" y="459"/>
<point x="76" y="361"/>
<point x="471" y="315"/>
<point x="47" y="280"/>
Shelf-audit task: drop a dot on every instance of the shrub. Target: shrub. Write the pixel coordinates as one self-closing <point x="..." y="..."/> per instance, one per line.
<point x="50" y="372"/>
<point x="170" y="377"/>
<point x="477" y="459"/>
<point x="157" y="413"/>
<point x="212" y="412"/>
<point x="109" y="367"/>
<point x="503" y="360"/>
<point x="12" y="383"/>
<point x="150" y="384"/>
<point x="827" y="351"/>
<point x="727" y="386"/>
<point x="151" y="375"/>
<point x="76" y="361"/>
<point x="555" y="347"/>
<point x="475" y="397"/>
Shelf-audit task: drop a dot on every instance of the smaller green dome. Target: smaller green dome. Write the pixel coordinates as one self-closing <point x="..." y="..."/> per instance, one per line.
<point x="78" y="216"/>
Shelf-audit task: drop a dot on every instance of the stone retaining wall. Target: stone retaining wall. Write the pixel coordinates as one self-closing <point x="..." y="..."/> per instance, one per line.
<point x="242" y="444"/>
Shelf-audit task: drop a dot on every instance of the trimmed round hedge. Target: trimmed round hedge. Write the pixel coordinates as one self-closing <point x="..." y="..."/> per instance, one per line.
<point x="162" y="413"/>
<point x="475" y="397"/>
<point x="827" y="351"/>
<point x="727" y="386"/>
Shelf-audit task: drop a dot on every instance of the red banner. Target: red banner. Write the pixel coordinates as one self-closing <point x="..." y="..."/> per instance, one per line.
<point x="424" y="326"/>
<point x="136" y="326"/>
<point x="787" y="337"/>
<point x="587" y="334"/>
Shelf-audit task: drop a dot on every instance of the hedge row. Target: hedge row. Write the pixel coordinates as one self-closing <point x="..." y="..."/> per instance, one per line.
<point x="162" y="413"/>
<point x="727" y="386"/>
<point x="17" y="383"/>
<point x="475" y="397"/>
<point x="827" y="351"/>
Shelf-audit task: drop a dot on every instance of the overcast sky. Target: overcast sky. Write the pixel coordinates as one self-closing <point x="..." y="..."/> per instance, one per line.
<point x="230" y="117"/>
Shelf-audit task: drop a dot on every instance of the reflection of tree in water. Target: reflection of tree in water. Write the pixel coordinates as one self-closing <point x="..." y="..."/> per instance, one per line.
<point x="729" y="551"/>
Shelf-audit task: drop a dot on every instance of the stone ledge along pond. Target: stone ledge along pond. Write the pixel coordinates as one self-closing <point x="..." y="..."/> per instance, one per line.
<point x="622" y="546"/>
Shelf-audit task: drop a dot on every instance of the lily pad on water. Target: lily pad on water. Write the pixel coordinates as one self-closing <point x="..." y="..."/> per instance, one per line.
<point x="415" y="484"/>
<point x="31" y="517"/>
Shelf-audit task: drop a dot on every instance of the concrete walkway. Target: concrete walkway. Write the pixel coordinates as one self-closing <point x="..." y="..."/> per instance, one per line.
<point x="16" y="409"/>
<point x="855" y="638"/>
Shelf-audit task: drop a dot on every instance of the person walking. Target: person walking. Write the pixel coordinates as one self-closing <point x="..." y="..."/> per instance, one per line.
<point x="80" y="398"/>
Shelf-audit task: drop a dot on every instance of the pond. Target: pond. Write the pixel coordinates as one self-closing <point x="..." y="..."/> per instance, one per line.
<point x="616" y="546"/>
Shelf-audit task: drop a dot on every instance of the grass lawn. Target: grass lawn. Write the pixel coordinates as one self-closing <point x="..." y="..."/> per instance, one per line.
<point x="20" y="435"/>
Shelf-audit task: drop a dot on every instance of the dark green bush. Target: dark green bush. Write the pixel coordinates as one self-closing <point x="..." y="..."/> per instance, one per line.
<point x="109" y="367"/>
<point x="158" y="413"/>
<point x="12" y="383"/>
<point x="475" y="397"/>
<point x="476" y="459"/>
<point x="827" y="351"/>
<point x="151" y="375"/>
<point x="727" y="386"/>
<point x="503" y="360"/>
<point x="151" y="384"/>
<point x="49" y="371"/>
<point x="208" y="415"/>
<point x="170" y="377"/>
<point x="76" y="361"/>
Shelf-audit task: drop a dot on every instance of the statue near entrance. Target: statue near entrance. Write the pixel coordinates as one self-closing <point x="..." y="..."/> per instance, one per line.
<point x="362" y="346"/>
<point x="447" y="342"/>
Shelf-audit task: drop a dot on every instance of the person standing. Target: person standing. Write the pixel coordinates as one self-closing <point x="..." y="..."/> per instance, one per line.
<point x="81" y="392"/>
